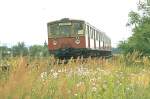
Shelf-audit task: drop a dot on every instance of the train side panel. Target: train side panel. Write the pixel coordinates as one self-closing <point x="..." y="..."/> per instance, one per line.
<point x="96" y="40"/>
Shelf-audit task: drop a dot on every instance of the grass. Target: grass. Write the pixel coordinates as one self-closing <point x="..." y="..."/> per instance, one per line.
<point x="120" y="77"/>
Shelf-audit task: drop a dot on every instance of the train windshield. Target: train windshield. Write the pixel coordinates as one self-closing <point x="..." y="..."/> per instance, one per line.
<point x="78" y="28"/>
<point x="59" y="29"/>
<point x="65" y="29"/>
<point x="53" y="30"/>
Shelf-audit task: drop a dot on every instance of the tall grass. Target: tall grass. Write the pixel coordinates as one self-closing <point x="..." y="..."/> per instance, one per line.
<point x="119" y="77"/>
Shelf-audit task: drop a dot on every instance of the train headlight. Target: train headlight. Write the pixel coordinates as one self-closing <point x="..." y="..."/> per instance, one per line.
<point x="54" y="42"/>
<point x="77" y="41"/>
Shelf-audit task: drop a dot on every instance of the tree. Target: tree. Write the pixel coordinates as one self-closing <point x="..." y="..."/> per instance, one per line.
<point x="45" y="49"/>
<point x="20" y="49"/>
<point x="35" y="50"/>
<point x="4" y="51"/>
<point x="39" y="50"/>
<point x="134" y="18"/>
<point x="140" y="23"/>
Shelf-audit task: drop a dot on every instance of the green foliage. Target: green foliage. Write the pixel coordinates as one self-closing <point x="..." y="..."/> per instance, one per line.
<point x="20" y="49"/>
<point x="124" y="46"/>
<point x="45" y="49"/>
<point x="134" y="18"/>
<point x="4" y="51"/>
<point x="140" y="24"/>
<point x="115" y="51"/>
<point x="38" y="50"/>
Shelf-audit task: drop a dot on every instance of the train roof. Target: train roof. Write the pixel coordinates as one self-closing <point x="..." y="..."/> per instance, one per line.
<point x="65" y="20"/>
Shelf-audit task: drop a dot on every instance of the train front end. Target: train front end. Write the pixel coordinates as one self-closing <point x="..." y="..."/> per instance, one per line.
<point x="66" y="38"/>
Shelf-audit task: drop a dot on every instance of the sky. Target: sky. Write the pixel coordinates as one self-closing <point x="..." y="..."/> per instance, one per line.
<point x="26" y="20"/>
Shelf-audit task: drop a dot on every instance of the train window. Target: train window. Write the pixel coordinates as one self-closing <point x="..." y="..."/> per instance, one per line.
<point x="101" y="37"/>
<point x="97" y="35"/>
<point x="101" y="43"/>
<point x="54" y="29"/>
<point x="48" y="29"/>
<point x="94" y="33"/>
<point x="91" y="32"/>
<point x="65" y="30"/>
<point x="78" y="28"/>
<point x="87" y="29"/>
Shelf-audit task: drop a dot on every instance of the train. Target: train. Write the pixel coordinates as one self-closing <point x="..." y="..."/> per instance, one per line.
<point x="76" y="38"/>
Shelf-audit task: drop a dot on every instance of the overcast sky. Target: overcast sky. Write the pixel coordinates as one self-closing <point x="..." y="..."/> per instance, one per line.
<point x="26" y="20"/>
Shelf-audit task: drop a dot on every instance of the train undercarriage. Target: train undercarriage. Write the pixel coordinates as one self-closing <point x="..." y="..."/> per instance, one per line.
<point x="75" y="53"/>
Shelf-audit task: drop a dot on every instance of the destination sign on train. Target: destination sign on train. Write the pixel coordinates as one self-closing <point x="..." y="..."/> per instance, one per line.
<point x="65" y="23"/>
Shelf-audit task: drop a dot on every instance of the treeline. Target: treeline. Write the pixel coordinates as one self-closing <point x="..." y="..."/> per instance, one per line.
<point x="20" y="49"/>
<point x="139" y="21"/>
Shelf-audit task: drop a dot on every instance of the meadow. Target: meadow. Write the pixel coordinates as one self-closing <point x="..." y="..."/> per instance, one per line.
<point x="118" y="77"/>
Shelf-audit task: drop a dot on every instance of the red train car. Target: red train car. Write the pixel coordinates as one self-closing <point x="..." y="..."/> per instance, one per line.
<point x="72" y="38"/>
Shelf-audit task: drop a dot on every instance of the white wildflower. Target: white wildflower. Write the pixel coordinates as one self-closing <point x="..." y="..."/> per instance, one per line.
<point x="144" y="70"/>
<point x="94" y="89"/>
<point x="52" y="70"/>
<point x="128" y="88"/>
<point x="59" y="71"/>
<point x="75" y="94"/>
<point x="55" y="74"/>
<point x="120" y="84"/>
<point x="44" y="75"/>
<point x="93" y="80"/>
<point x="93" y="83"/>
<point x="82" y="71"/>
<point x="104" y="86"/>
<point x="79" y="84"/>
<point x="69" y="91"/>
